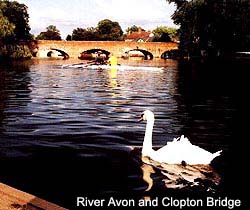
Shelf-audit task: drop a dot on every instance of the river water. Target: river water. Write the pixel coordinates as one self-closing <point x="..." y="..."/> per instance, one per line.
<point x="66" y="133"/>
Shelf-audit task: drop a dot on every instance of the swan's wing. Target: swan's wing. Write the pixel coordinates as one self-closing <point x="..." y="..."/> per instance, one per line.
<point x="184" y="140"/>
<point x="170" y="153"/>
<point x="196" y="155"/>
<point x="177" y="151"/>
<point x="174" y="150"/>
<point x="180" y="141"/>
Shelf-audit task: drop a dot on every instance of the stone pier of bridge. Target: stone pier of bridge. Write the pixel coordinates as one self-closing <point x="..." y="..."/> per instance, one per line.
<point x="74" y="48"/>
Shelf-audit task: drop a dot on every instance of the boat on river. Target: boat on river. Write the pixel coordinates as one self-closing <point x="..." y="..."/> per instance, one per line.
<point x="118" y="67"/>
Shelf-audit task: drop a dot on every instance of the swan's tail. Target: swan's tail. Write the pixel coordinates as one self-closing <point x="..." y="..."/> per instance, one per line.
<point x="216" y="154"/>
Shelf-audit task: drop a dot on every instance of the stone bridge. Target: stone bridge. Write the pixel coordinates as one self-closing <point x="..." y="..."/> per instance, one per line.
<point x="74" y="48"/>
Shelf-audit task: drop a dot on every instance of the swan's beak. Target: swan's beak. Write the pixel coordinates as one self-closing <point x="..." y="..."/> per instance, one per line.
<point x="141" y="118"/>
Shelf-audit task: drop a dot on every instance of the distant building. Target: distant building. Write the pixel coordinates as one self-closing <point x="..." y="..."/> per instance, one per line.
<point x="140" y="36"/>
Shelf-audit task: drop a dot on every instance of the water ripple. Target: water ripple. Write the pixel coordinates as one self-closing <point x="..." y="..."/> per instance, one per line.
<point x="51" y="115"/>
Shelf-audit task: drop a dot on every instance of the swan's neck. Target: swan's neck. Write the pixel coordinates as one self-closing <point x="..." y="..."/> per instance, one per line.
<point x="147" y="143"/>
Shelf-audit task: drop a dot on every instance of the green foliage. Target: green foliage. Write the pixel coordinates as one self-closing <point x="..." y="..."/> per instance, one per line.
<point x="15" y="52"/>
<point x="52" y="33"/>
<point x="6" y="28"/>
<point x="134" y="28"/>
<point x="106" y="30"/>
<point x="89" y="34"/>
<point x="215" y="27"/>
<point x="164" y="33"/>
<point x="109" y="30"/>
<point x="17" y="15"/>
<point x="14" y="30"/>
<point x="77" y="34"/>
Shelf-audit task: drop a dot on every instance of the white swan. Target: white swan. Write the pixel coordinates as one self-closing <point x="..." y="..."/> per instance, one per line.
<point x="175" y="152"/>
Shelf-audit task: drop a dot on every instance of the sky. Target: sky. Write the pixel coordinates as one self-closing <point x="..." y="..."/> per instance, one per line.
<point x="68" y="15"/>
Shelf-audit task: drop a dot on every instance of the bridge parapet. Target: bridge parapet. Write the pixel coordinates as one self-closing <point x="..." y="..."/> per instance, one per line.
<point x="74" y="48"/>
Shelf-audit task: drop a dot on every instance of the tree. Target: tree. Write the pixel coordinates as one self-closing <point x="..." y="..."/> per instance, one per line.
<point x="77" y="34"/>
<point x="109" y="30"/>
<point x="239" y="13"/>
<point x="164" y="34"/>
<point x="134" y="28"/>
<point x="69" y="37"/>
<point x="6" y="28"/>
<point x="52" y="33"/>
<point x="187" y="16"/>
<point x="14" y="30"/>
<point x="89" y="34"/>
<point x="216" y="27"/>
<point x="106" y="30"/>
<point x="17" y="14"/>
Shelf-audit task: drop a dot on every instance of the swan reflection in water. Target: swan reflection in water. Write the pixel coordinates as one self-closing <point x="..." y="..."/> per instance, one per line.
<point x="177" y="176"/>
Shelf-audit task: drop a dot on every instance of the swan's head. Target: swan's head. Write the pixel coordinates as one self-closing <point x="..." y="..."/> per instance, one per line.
<point x="147" y="116"/>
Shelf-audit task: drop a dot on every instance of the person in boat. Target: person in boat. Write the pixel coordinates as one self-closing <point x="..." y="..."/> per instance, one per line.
<point x="112" y="61"/>
<point x="99" y="59"/>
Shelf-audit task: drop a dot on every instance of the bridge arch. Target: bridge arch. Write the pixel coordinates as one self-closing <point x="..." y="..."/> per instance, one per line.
<point x="87" y="54"/>
<point x="172" y="54"/>
<point x="63" y="54"/>
<point x="147" y="55"/>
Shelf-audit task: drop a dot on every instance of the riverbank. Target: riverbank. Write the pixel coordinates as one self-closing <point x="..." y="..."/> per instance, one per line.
<point x="11" y="198"/>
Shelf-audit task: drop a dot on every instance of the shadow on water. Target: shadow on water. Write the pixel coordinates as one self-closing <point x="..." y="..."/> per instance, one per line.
<point x="215" y="97"/>
<point x="13" y="76"/>
<point x="60" y="175"/>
